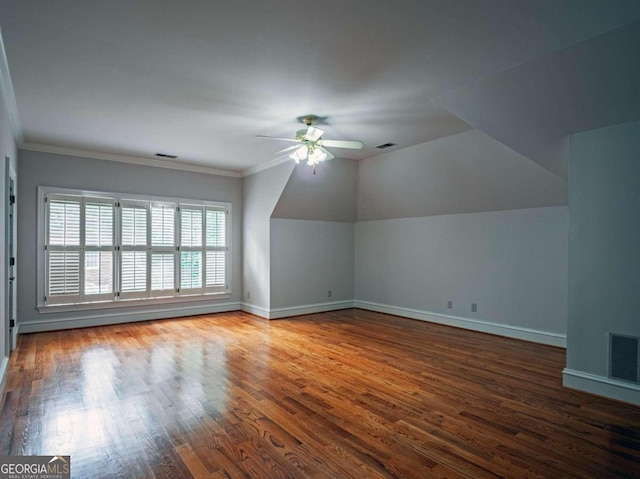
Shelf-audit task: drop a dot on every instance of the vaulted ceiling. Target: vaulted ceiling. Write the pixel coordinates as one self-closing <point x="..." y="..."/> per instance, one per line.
<point x="201" y="79"/>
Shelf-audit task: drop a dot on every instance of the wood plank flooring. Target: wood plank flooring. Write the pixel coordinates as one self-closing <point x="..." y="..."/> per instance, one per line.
<point x="348" y="394"/>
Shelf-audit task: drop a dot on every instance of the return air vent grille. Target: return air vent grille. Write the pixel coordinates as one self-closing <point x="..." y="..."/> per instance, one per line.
<point x="385" y="145"/>
<point x="623" y="358"/>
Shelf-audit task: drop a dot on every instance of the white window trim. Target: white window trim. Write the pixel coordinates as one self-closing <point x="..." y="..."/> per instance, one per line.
<point x="206" y="295"/>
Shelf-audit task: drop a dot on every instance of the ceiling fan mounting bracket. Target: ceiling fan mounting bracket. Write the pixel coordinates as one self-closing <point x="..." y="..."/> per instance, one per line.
<point x="308" y="119"/>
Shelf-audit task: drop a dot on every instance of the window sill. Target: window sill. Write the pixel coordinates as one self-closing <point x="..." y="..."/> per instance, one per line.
<point x="130" y="303"/>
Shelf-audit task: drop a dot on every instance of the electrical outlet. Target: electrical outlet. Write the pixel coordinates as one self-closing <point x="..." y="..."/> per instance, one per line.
<point x="248" y="294"/>
<point x="450" y="304"/>
<point x="474" y="307"/>
<point x="329" y="294"/>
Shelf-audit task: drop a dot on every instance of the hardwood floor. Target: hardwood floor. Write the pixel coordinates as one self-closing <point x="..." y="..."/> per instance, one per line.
<point x="333" y="395"/>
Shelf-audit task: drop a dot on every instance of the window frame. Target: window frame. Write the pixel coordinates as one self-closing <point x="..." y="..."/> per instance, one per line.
<point x="117" y="298"/>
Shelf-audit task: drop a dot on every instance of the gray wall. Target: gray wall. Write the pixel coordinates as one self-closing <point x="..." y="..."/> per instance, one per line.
<point x="604" y="243"/>
<point x="312" y="250"/>
<point x="7" y="149"/>
<point x="467" y="219"/>
<point x="45" y="169"/>
<point x="308" y="258"/>
<point x="513" y="264"/>
<point x="261" y="192"/>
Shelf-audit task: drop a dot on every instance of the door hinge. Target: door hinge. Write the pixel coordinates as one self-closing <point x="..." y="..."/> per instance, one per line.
<point x="12" y="323"/>
<point x="12" y="199"/>
<point x="12" y="261"/>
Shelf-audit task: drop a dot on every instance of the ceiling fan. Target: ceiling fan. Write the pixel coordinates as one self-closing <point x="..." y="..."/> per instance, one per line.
<point x="310" y="145"/>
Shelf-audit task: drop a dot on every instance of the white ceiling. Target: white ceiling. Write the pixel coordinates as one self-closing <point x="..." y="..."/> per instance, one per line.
<point x="200" y="79"/>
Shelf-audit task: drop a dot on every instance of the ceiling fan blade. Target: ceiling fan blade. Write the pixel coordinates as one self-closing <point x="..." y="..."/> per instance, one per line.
<point x="313" y="133"/>
<point x="330" y="156"/>
<point x="275" y="138"/>
<point x="353" y="144"/>
<point x="286" y="150"/>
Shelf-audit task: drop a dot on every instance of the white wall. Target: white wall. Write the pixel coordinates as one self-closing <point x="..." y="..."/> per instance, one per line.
<point x="604" y="259"/>
<point x="260" y="195"/>
<point x="513" y="264"/>
<point x="309" y="258"/>
<point x="46" y="169"/>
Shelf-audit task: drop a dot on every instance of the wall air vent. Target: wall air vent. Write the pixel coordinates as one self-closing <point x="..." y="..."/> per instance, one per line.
<point x="385" y="145"/>
<point x="624" y="359"/>
<point x="164" y="155"/>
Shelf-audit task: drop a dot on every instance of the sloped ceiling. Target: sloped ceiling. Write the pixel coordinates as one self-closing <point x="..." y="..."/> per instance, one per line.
<point x="201" y="79"/>
<point x="465" y="173"/>
<point x="327" y="195"/>
<point x="535" y="106"/>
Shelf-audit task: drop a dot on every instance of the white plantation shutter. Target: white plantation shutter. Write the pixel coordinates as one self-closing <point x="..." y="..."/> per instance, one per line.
<point x="64" y="274"/>
<point x="163" y="249"/>
<point x="216" y="249"/>
<point x="216" y="227"/>
<point x="163" y="274"/>
<point x="99" y="250"/>
<point x="64" y="221"/>
<point x="190" y="226"/>
<point x="80" y="249"/>
<point x="134" y="249"/>
<point x="163" y="224"/>
<point x="104" y="249"/>
<point x="63" y="248"/>
<point x="191" y="251"/>
<point x="134" y="220"/>
<point x="133" y="274"/>
<point x="216" y="266"/>
<point x="98" y="223"/>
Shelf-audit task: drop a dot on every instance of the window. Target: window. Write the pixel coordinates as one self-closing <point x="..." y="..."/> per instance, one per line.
<point x="108" y="248"/>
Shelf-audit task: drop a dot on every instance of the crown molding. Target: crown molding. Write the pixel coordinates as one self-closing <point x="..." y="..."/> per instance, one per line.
<point x="6" y="89"/>
<point x="135" y="160"/>
<point x="264" y="166"/>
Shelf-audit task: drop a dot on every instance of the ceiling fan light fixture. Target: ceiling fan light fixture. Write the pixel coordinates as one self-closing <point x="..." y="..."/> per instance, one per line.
<point x="316" y="156"/>
<point x="300" y="154"/>
<point x="312" y="146"/>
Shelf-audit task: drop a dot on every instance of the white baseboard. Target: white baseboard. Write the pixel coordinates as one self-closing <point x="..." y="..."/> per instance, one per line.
<point x="124" y="317"/>
<point x="507" y="330"/>
<point x="14" y="336"/>
<point x="278" y="313"/>
<point x="601" y="385"/>
<point x="4" y="369"/>
<point x="257" y="310"/>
